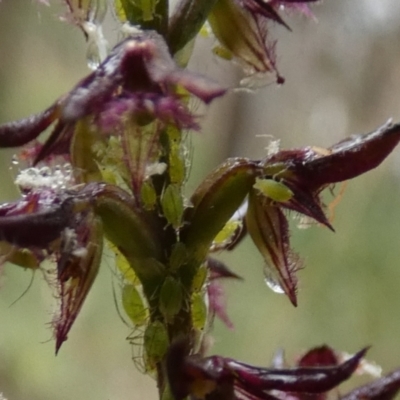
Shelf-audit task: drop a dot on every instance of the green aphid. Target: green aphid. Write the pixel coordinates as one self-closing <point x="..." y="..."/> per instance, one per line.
<point x="177" y="169"/>
<point x="148" y="8"/>
<point x="148" y="195"/>
<point x="222" y="52"/>
<point x="199" y="311"/>
<point x="134" y="305"/>
<point x="177" y="165"/>
<point x="199" y="279"/>
<point x="179" y="256"/>
<point x="22" y="257"/>
<point x="155" y="343"/>
<point x="171" y="298"/>
<point x="274" y="190"/>
<point x="225" y="235"/>
<point x="129" y="9"/>
<point x="172" y="205"/>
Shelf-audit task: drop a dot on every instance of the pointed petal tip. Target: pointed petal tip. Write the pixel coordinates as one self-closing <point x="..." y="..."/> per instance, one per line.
<point x="59" y="343"/>
<point x="293" y="298"/>
<point x="352" y="363"/>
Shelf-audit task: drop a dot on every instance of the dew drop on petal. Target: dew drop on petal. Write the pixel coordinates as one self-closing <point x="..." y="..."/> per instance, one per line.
<point x="271" y="281"/>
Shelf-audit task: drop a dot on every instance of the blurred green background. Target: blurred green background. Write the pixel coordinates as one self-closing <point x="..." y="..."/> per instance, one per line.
<point x="342" y="76"/>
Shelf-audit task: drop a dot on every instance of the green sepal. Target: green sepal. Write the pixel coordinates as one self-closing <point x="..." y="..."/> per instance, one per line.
<point x="129" y="229"/>
<point x="214" y="202"/>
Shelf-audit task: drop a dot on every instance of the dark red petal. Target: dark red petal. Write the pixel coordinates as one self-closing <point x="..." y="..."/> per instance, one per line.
<point x="148" y="54"/>
<point x="36" y="229"/>
<point x="264" y="9"/>
<point x="385" y="388"/>
<point x="322" y="356"/>
<point x="18" y="133"/>
<point x="269" y="230"/>
<point x="77" y="270"/>
<point x="302" y="379"/>
<point x="350" y="158"/>
<point x="57" y="143"/>
<point x="192" y="375"/>
<point x="307" y="203"/>
<point x="219" y="270"/>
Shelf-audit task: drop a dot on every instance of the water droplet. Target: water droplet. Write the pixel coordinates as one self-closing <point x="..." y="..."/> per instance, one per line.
<point x="271" y="281"/>
<point x="93" y="56"/>
<point x="15" y="160"/>
<point x="32" y="172"/>
<point x="67" y="168"/>
<point x="45" y="171"/>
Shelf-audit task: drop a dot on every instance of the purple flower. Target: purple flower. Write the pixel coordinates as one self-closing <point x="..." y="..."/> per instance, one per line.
<point x="138" y="82"/>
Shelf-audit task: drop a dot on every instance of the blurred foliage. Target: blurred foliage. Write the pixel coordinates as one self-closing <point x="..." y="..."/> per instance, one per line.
<point x="342" y="77"/>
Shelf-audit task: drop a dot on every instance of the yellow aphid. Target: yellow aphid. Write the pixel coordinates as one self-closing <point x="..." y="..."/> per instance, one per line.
<point x="227" y="232"/>
<point x="134" y="305"/>
<point x="123" y="266"/>
<point x="274" y="190"/>
<point x="222" y="52"/>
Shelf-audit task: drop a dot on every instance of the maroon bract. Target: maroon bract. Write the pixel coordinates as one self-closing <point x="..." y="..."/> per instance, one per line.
<point x="219" y="377"/>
